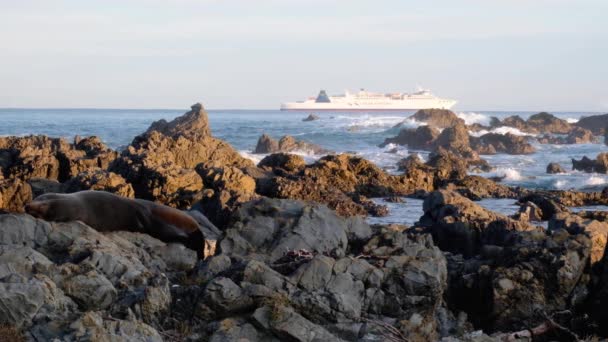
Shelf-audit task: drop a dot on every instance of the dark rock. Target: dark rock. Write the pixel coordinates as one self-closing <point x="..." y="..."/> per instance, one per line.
<point x="548" y="123"/>
<point x="437" y="118"/>
<point x="420" y="138"/>
<point x="516" y="121"/>
<point x="599" y="165"/>
<point x="502" y="143"/>
<point x="311" y="117"/>
<point x="595" y="123"/>
<point x="99" y="180"/>
<point x="286" y="144"/>
<point x="553" y="168"/>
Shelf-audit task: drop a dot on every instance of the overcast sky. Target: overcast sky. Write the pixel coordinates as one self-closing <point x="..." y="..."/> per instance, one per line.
<point x="489" y="55"/>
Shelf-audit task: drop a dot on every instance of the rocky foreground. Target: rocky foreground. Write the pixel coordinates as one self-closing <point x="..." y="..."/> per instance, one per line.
<point x="295" y="259"/>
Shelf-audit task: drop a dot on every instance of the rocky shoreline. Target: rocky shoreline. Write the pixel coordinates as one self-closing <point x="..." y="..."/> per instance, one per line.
<point x="295" y="259"/>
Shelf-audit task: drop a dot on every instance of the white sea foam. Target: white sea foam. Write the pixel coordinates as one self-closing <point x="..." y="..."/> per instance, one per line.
<point x="501" y="130"/>
<point x="474" y="118"/>
<point x="580" y="183"/>
<point x="572" y="120"/>
<point x="370" y="121"/>
<point x="507" y="173"/>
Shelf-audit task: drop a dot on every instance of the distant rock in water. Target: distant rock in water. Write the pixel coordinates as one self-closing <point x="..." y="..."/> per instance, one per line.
<point x="193" y="123"/>
<point x="492" y="143"/>
<point x="266" y="144"/>
<point x="414" y="138"/>
<point x="553" y="168"/>
<point x="595" y="123"/>
<point x="439" y="118"/>
<point x="577" y="135"/>
<point x="599" y="165"/>
<point x="311" y="117"/>
<point x="549" y="123"/>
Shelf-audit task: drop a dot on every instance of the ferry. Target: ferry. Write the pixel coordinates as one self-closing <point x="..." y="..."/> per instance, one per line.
<point x="369" y="101"/>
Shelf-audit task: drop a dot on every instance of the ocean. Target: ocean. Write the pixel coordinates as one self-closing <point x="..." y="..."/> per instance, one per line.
<point x="358" y="133"/>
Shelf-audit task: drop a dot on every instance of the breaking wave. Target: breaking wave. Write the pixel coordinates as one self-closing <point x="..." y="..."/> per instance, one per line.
<point x="501" y="130"/>
<point x="474" y="118"/>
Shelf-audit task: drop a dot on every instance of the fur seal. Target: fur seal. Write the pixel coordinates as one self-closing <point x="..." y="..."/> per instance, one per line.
<point x="107" y="212"/>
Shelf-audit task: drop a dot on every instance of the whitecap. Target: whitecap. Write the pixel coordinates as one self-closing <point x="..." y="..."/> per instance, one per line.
<point x="507" y="173"/>
<point x="474" y="118"/>
<point x="501" y="130"/>
<point x="572" y="120"/>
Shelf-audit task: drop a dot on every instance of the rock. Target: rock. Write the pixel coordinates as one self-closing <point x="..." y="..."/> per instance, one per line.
<point x="283" y="161"/>
<point x="160" y="164"/>
<point x="42" y="186"/>
<point x="529" y="212"/>
<point x="502" y="143"/>
<point x="420" y="138"/>
<point x="554" y="168"/>
<point x="99" y="180"/>
<point x="14" y="194"/>
<point x="311" y="117"/>
<point x="477" y="188"/>
<point x="548" y="203"/>
<point x="548" y="123"/>
<point x="595" y="123"/>
<point x="339" y="181"/>
<point x="229" y="188"/>
<point x="286" y="144"/>
<point x="92" y="291"/>
<point x="596" y="230"/>
<point x="92" y="327"/>
<point x="456" y="140"/>
<point x="516" y="121"/>
<point x="270" y="227"/>
<point x="192" y="124"/>
<point x="437" y="118"/>
<point x="599" y="165"/>
<point x="577" y="135"/>
<point x="460" y="226"/>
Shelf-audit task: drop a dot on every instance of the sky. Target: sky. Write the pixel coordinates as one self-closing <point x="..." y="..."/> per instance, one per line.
<point x="487" y="54"/>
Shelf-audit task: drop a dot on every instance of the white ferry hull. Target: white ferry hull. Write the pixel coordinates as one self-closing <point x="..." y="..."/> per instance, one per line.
<point x="304" y="106"/>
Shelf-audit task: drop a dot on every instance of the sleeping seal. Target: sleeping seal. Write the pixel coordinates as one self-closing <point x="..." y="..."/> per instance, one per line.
<point x="107" y="212"/>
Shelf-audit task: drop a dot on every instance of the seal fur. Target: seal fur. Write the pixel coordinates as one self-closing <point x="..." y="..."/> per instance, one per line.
<point x="107" y="212"/>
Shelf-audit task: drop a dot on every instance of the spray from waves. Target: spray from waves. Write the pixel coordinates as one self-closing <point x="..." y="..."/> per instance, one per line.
<point x="366" y="122"/>
<point x="501" y="130"/>
<point x="592" y="181"/>
<point x="474" y="118"/>
<point x="507" y="173"/>
<point x="572" y="120"/>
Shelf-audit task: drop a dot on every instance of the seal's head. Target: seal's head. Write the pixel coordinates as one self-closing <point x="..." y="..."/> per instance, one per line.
<point x="38" y="209"/>
<point x="42" y="206"/>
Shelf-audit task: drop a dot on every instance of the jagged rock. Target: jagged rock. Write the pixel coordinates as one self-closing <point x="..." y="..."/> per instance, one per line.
<point x="227" y="188"/>
<point x="283" y="161"/>
<point x="421" y="138"/>
<point x="516" y="121"/>
<point x="456" y="140"/>
<point x="596" y="230"/>
<point x="160" y="164"/>
<point x="502" y="143"/>
<point x="93" y="327"/>
<point x="311" y="117"/>
<point x="529" y="212"/>
<point x="286" y="144"/>
<point x="14" y="194"/>
<point x="271" y="227"/>
<point x="438" y="118"/>
<point x="461" y="226"/>
<point x="99" y="180"/>
<point x="477" y="188"/>
<point x="595" y="123"/>
<point x="548" y="123"/>
<point x="51" y="158"/>
<point x="554" y="168"/>
<point x="599" y="165"/>
<point x="549" y="204"/>
<point x="338" y="180"/>
<point x="577" y="135"/>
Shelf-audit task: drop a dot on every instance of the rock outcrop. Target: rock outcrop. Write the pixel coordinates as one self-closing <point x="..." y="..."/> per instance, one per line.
<point x="421" y="138"/>
<point x="595" y="123"/>
<point x="311" y="117"/>
<point x="160" y="164"/>
<point x="437" y="118"/>
<point x="599" y="165"/>
<point x="266" y="144"/>
<point x="492" y="143"/>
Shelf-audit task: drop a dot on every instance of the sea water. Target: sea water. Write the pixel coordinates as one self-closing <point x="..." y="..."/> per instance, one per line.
<point x="357" y="133"/>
